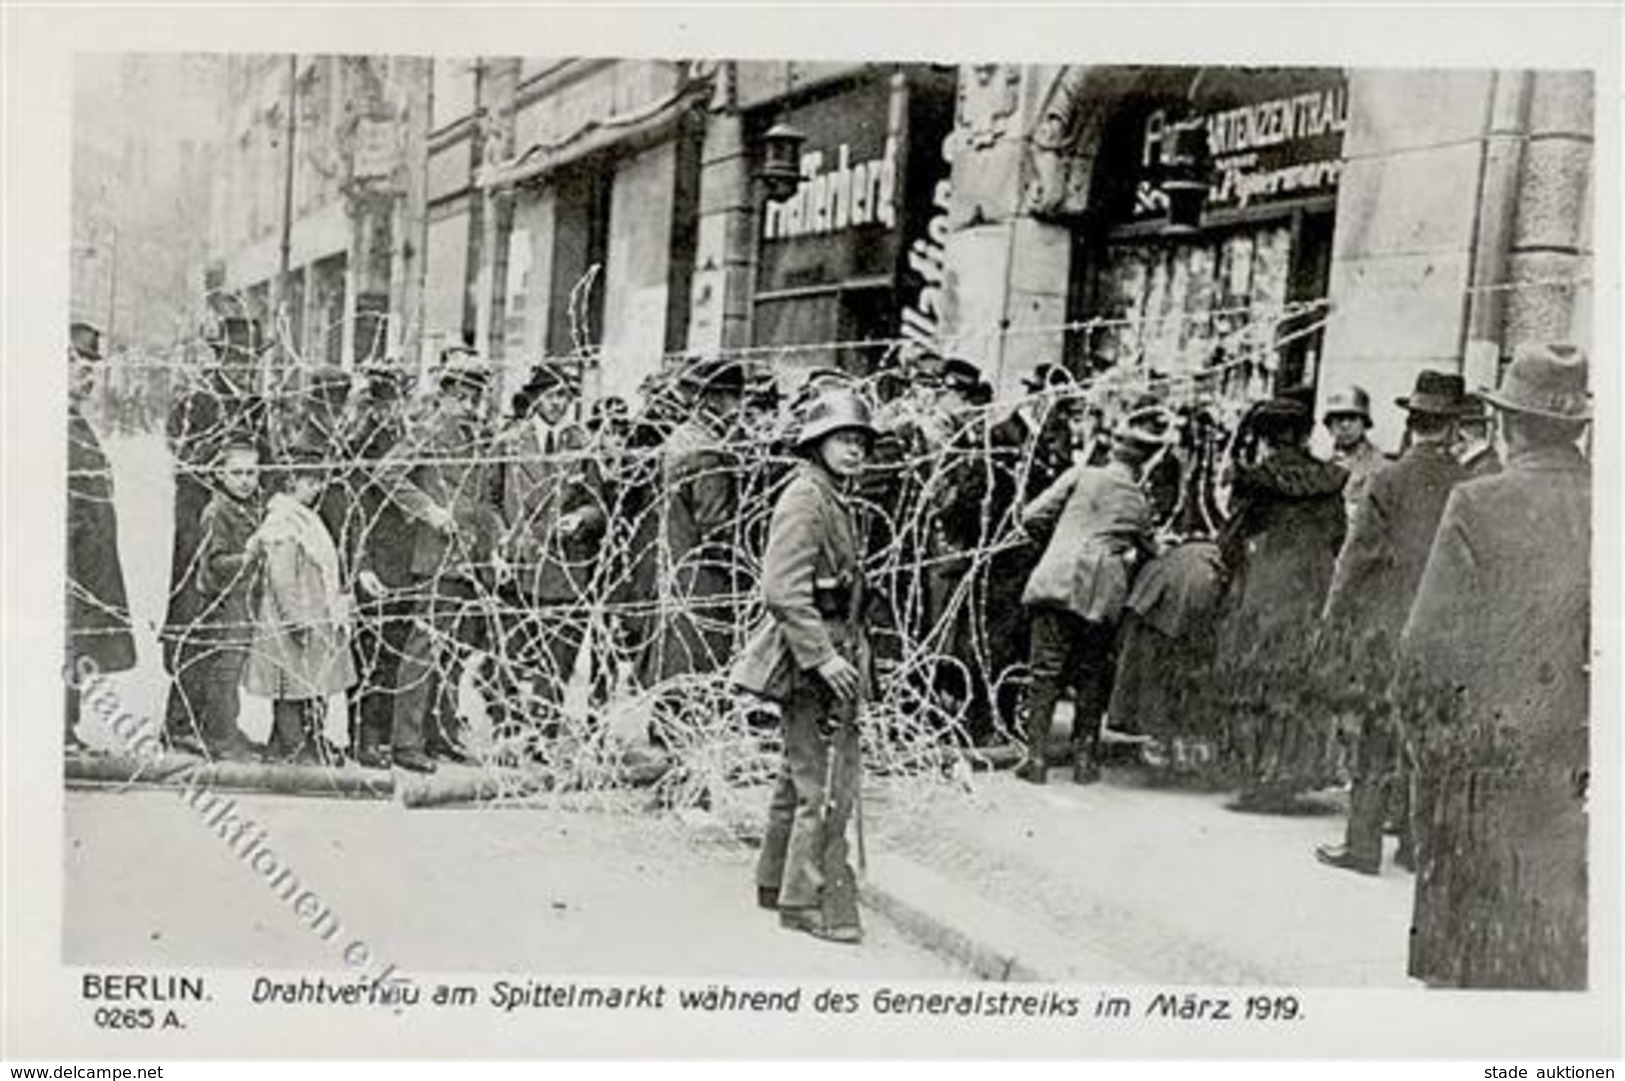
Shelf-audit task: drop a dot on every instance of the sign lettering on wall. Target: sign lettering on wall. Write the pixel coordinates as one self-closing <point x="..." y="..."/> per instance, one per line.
<point x="926" y="278"/>
<point x="842" y="221"/>
<point x="925" y="288"/>
<point x="1270" y="140"/>
<point x="840" y="195"/>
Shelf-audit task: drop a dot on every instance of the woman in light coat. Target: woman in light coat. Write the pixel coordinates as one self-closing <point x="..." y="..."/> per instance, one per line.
<point x="301" y="648"/>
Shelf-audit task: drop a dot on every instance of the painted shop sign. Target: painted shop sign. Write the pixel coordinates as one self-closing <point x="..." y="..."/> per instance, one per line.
<point x="842" y="223"/>
<point x="925" y="290"/>
<point x="1271" y="149"/>
<point x="846" y="195"/>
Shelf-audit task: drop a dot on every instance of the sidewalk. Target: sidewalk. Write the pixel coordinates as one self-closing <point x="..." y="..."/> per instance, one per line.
<point x="1120" y="882"/>
<point x="601" y="892"/>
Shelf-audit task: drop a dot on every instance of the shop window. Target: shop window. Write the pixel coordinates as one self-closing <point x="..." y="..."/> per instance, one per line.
<point x="808" y="321"/>
<point x="807" y="328"/>
<point x="1176" y="308"/>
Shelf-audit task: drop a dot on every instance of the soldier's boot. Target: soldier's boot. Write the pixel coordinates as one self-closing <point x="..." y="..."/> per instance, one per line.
<point x="1034" y="765"/>
<point x="1085" y="762"/>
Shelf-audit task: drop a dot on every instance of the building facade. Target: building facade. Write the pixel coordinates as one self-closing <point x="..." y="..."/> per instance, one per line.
<point x="310" y="189"/>
<point x="611" y="213"/>
<point x="143" y="131"/>
<point x="1358" y="225"/>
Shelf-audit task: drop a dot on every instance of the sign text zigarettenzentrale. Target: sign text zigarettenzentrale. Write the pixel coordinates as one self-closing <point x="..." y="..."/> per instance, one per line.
<point x="1283" y="147"/>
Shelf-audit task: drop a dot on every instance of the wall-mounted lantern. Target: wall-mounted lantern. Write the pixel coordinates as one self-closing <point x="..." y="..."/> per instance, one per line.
<point x="780" y="170"/>
<point x="1186" y="173"/>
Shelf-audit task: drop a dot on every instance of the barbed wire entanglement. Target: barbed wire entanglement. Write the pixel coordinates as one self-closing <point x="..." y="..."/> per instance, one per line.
<point x="572" y="624"/>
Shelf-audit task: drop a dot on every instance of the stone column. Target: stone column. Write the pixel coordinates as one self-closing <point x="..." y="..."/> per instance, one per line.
<point x="1551" y="236"/>
<point x="1403" y="250"/>
<point x="719" y="306"/>
<point x="1006" y="272"/>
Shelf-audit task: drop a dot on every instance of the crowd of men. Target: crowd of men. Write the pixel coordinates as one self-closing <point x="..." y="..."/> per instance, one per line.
<point x="1194" y="577"/>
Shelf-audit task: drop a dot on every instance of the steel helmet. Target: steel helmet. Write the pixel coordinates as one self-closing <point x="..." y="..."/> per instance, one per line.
<point x="834" y="410"/>
<point x="1348" y="401"/>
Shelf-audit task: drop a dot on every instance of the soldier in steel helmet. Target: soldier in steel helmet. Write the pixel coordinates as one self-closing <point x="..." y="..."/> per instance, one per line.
<point x="1348" y="419"/>
<point x="811" y="655"/>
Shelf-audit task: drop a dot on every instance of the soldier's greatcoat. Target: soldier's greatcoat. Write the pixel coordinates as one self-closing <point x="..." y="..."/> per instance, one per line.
<point x="813" y="590"/>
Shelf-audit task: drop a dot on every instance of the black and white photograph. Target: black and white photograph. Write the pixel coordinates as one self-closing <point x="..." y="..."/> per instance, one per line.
<point x="1012" y="543"/>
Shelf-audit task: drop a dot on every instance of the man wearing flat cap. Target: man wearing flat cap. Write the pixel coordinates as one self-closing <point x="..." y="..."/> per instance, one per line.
<point x="384" y="537"/>
<point x="958" y="527"/>
<point x="98" y="618"/>
<point x="200" y="422"/>
<point x="1493" y="699"/>
<point x="697" y="510"/>
<point x="1100" y="528"/>
<point x="442" y="476"/>
<point x="1372" y="588"/>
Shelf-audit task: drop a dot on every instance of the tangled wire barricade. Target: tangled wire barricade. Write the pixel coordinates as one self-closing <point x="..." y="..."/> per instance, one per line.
<point x="578" y="663"/>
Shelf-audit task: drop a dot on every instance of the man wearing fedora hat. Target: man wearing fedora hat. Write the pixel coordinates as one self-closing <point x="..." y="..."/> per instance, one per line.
<point x="1372" y="588"/>
<point x="1475" y="439"/>
<point x="961" y="519"/>
<point x="555" y="522"/>
<point x="1493" y="698"/>
<point x="1102" y="528"/>
<point x="98" y="618"/>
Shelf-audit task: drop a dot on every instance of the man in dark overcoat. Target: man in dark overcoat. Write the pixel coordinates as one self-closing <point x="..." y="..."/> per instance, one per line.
<point x="1280" y="546"/>
<point x="555" y="525"/>
<point x="225" y="407"/>
<point x="1373" y="585"/>
<point x="384" y="537"/>
<point x="1493" y="696"/>
<point x="993" y="482"/>
<point x="98" y="617"/>
<point x="442" y="475"/>
<point x="957" y="523"/>
<point x="697" y="512"/>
